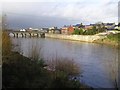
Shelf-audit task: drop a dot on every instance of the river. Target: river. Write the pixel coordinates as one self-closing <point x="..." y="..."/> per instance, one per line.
<point x="98" y="62"/>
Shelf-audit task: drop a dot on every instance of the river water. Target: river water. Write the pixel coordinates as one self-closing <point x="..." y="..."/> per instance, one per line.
<point x="98" y="62"/>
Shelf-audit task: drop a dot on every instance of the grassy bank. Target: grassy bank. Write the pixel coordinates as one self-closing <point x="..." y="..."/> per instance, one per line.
<point x="22" y="72"/>
<point x="112" y="39"/>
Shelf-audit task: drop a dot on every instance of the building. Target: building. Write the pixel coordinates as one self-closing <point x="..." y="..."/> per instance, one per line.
<point x="22" y="30"/>
<point x="32" y="29"/>
<point x="64" y="30"/>
<point x="70" y="29"/>
<point x="54" y="30"/>
<point x="109" y="26"/>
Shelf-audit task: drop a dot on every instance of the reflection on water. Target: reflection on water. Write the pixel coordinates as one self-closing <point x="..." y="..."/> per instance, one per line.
<point x="98" y="62"/>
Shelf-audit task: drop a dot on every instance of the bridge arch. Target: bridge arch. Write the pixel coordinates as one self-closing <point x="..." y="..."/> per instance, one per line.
<point x="37" y="34"/>
<point x="30" y="34"/>
<point x="17" y="34"/>
<point x="12" y="34"/>
<point x="22" y="34"/>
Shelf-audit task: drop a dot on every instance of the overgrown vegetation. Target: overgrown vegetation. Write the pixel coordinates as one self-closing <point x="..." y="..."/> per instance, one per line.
<point x="22" y="72"/>
<point x="6" y="43"/>
<point x="111" y="39"/>
<point x="114" y="37"/>
<point x="64" y="73"/>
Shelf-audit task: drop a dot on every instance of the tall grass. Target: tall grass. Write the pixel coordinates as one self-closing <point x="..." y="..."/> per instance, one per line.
<point x="6" y="43"/>
<point x="34" y="51"/>
<point x="65" y="65"/>
<point x="0" y="46"/>
<point x="64" y="73"/>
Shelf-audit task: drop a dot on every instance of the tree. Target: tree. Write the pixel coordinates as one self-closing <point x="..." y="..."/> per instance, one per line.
<point x="81" y="31"/>
<point x="81" y="26"/>
<point x="76" y="31"/>
<point x="119" y="24"/>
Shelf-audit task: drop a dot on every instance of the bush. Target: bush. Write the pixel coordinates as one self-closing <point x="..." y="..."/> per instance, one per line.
<point x="89" y="32"/>
<point x="78" y="31"/>
<point x="64" y="73"/>
<point x="114" y="37"/>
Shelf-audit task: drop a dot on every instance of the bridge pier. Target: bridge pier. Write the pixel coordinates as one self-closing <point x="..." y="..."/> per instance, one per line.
<point x="14" y="34"/>
<point x="22" y="35"/>
<point x="42" y="35"/>
<point x="17" y="35"/>
<point x="30" y="35"/>
<point x="33" y="35"/>
<point x="37" y="35"/>
<point x="25" y="35"/>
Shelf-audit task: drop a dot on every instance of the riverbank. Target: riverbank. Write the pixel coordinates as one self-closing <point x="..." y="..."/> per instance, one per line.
<point x="22" y="72"/>
<point x="108" y="40"/>
<point x="112" y="40"/>
<point x="83" y="38"/>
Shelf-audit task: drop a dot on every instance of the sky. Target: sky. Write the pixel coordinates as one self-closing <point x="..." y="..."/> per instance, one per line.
<point x="48" y="13"/>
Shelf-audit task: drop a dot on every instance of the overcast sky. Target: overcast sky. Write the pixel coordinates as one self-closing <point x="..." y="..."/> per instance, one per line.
<point x="47" y="13"/>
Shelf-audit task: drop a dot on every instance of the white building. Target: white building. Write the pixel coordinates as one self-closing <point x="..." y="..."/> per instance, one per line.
<point x="22" y="30"/>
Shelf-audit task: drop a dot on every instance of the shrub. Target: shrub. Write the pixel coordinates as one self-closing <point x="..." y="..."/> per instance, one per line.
<point x="76" y="31"/>
<point x="64" y="73"/>
<point x="114" y="37"/>
<point x="34" y="51"/>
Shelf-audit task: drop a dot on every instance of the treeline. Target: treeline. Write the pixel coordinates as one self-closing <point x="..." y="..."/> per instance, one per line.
<point x="90" y="31"/>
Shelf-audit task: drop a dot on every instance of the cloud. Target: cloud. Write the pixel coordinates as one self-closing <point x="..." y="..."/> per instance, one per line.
<point x="86" y="12"/>
<point x="73" y="11"/>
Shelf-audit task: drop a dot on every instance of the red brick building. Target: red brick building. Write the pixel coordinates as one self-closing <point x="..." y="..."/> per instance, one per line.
<point x="70" y="29"/>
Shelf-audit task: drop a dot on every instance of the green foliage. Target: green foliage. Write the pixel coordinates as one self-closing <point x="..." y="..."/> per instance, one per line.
<point x="114" y="37"/>
<point x="81" y="31"/>
<point x="76" y="31"/>
<point x="89" y="32"/>
<point x="95" y="29"/>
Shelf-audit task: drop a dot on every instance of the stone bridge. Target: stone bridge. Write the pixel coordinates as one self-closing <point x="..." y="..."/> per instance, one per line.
<point x="26" y="34"/>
